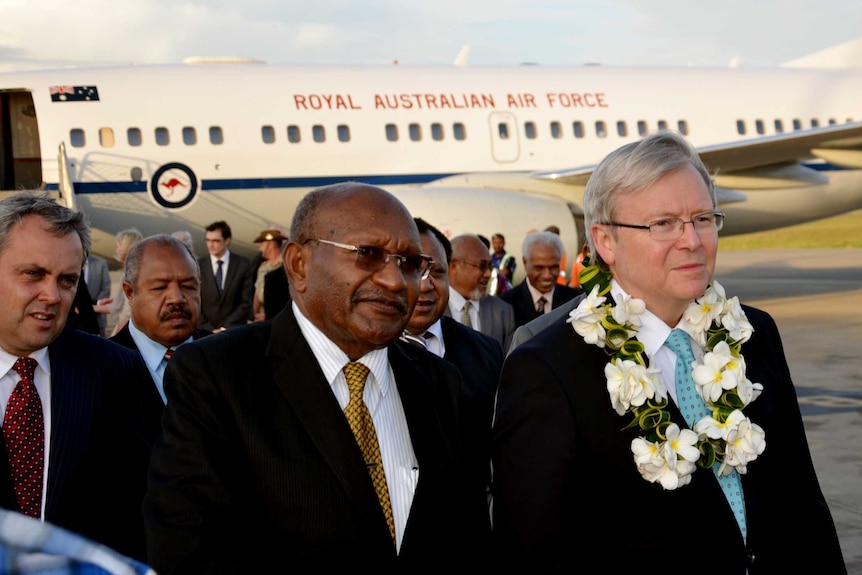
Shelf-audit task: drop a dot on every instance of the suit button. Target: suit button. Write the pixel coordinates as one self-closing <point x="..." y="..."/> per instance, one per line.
<point x="751" y="558"/>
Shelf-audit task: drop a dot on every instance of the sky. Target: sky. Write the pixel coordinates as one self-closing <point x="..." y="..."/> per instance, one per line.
<point x="58" y="33"/>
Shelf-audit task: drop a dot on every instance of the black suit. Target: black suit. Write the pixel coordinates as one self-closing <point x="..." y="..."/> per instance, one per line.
<point x="149" y="399"/>
<point x="522" y="303"/>
<point x="233" y="307"/>
<point x="276" y="292"/>
<point x="257" y="466"/>
<point x="479" y="358"/>
<point x="98" y="455"/>
<point x="567" y="493"/>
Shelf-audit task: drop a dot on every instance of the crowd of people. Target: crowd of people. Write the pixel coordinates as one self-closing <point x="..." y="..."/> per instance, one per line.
<point x="372" y="394"/>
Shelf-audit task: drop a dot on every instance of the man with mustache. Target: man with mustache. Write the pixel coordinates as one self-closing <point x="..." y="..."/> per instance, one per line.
<point x="264" y="459"/>
<point x="162" y="284"/>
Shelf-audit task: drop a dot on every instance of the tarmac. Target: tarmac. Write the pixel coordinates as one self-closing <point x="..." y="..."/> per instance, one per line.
<point x="815" y="297"/>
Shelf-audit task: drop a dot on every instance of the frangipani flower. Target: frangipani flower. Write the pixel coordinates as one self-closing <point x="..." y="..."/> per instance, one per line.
<point x="628" y="311"/>
<point x="703" y="311"/>
<point x="748" y="391"/>
<point x="744" y="443"/>
<point x="735" y="322"/>
<point x="712" y="376"/>
<point x="671" y="462"/>
<point x="630" y="384"/>
<point x="587" y="318"/>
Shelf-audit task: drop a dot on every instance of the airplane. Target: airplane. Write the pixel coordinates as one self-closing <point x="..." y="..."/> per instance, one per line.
<point x="468" y="148"/>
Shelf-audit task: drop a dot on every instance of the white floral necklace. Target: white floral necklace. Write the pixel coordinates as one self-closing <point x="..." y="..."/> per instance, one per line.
<point x="665" y="453"/>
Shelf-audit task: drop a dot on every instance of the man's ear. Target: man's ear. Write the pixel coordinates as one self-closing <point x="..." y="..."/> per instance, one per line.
<point x="129" y="291"/>
<point x="604" y="243"/>
<point x="296" y="265"/>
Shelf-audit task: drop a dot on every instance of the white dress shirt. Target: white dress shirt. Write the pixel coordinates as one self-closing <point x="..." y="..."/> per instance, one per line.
<point x="225" y="263"/>
<point x="456" y="306"/>
<point x="154" y="356"/>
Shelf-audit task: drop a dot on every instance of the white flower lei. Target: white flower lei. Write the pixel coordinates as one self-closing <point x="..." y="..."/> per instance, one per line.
<point x="666" y="453"/>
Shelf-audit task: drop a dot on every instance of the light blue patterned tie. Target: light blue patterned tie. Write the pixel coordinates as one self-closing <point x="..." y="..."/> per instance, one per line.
<point x="693" y="409"/>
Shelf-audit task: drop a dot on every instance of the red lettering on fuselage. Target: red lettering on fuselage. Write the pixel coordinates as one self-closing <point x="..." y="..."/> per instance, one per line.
<point x="324" y="102"/>
<point x="576" y="99"/>
<point x="521" y="100"/>
<point x="428" y="101"/>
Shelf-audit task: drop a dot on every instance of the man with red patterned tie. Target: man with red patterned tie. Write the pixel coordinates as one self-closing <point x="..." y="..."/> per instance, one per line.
<point x="71" y="452"/>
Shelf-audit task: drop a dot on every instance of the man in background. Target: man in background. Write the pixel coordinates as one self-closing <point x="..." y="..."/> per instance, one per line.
<point x="227" y="282"/>
<point x="469" y="303"/>
<point x="98" y="280"/>
<point x="271" y="242"/>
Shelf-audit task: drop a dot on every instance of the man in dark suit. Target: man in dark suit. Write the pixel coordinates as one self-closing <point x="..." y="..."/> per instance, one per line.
<point x="626" y="478"/>
<point x="469" y="302"/>
<point x="539" y="293"/>
<point x="86" y="456"/>
<point x="477" y="356"/>
<point x="258" y="464"/>
<point x="277" y="292"/>
<point x="225" y="303"/>
<point x="162" y="284"/>
<point x="98" y="280"/>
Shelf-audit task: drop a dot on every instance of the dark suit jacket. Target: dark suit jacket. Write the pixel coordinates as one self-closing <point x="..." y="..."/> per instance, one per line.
<point x="522" y="304"/>
<point x="256" y="465"/>
<point x="233" y="308"/>
<point x="479" y="358"/>
<point x="98" y="285"/>
<point x="567" y="493"/>
<point x="98" y="451"/>
<point x="276" y="292"/>
<point x="149" y="399"/>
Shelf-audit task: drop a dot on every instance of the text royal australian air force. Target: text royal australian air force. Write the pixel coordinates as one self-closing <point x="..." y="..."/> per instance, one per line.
<point x="453" y="101"/>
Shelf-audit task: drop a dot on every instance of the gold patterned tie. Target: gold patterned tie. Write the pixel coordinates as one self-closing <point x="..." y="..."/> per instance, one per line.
<point x="465" y="314"/>
<point x="359" y="419"/>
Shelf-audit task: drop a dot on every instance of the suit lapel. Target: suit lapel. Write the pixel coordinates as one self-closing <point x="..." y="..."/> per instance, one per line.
<point x="311" y="398"/>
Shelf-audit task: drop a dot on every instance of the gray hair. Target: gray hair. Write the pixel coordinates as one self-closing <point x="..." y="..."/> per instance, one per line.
<point x="62" y="221"/>
<point x="543" y="238"/>
<point x="132" y="267"/>
<point x="632" y="168"/>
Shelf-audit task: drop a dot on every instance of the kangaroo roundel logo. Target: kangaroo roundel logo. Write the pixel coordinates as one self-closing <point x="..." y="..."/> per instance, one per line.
<point x="174" y="185"/>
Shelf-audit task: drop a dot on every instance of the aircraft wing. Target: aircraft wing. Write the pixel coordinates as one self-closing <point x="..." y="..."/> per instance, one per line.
<point x="839" y="144"/>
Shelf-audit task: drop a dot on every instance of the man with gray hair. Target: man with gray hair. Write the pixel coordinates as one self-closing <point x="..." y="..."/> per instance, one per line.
<point x="73" y="453"/>
<point x="539" y="293"/>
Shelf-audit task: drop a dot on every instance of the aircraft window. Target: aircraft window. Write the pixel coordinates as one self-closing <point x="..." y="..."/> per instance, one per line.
<point x="503" y="130"/>
<point x="642" y="128"/>
<point x="759" y="127"/>
<point x="163" y="137"/>
<point x="556" y="130"/>
<point x="815" y="122"/>
<point x="530" y="130"/>
<point x="832" y="121"/>
<point x="436" y="131"/>
<point x="267" y="134"/>
<point x="77" y="138"/>
<point x="133" y="135"/>
<point x="106" y="137"/>
<point x="458" y="131"/>
<point x="622" y="129"/>
<point x="190" y="137"/>
<point x="392" y="132"/>
<point x="797" y="124"/>
<point x="662" y="125"/>
<point x="415" y="131"/>
<point x="740" y="127"/>
<point x="216" y="136"/>
<point x="849" y="120"/>
<point x="683" y="127"/>
<point x="779" y="126"/>
<point x="601" y="129"/>
<point x="293" y="135"/>
<point x="578" y="129"/>
<point x="318" y="133"/>
<point x="343" y="133"/>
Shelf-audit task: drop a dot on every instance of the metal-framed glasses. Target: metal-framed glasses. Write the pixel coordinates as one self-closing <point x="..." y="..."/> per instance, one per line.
<point x="374" y="259"/>
<point x="483" y="266"/>
<point x="673" y="228"/>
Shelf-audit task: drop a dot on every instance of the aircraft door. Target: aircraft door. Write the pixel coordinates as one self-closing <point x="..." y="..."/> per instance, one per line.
<point x="505" y="146"/>
<point x="20" y="152"/>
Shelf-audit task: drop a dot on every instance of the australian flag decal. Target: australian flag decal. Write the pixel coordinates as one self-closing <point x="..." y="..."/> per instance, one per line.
<point x="74" y="94"/>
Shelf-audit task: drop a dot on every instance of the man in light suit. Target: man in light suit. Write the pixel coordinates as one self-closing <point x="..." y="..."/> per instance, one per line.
<point x="162" y="283"/>
<point x="257" y="464"/>
<point x="88" y="471"/>
<point x="651" y="215"/>
<point x="230" y="303"/>
<point x="477" y="356"/>
<point x="539" y="293"/>
<point x="98" y="280"/>
<point x="469" y="274"/>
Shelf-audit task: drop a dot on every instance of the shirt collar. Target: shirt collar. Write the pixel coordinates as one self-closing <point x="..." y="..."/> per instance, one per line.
<point x="7" y="360"/>
<point x="152" y="351"/>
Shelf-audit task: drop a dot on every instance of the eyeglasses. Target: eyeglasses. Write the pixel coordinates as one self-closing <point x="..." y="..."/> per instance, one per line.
<point x="373" y="259"/>
<point x="483" y="266"/>
<point x="673" y="228"/>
